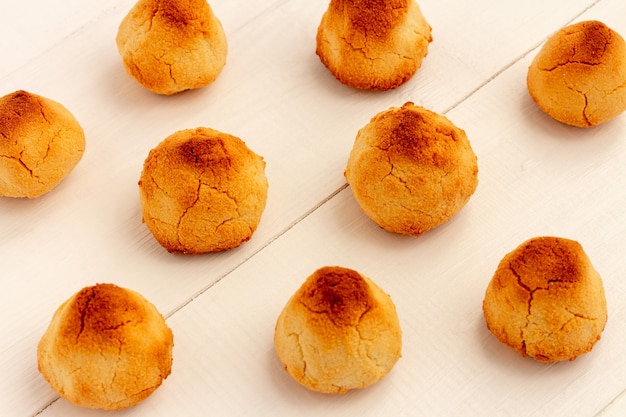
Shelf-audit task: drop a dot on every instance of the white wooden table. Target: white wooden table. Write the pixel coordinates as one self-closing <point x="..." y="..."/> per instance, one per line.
<point x="537" y="177"/>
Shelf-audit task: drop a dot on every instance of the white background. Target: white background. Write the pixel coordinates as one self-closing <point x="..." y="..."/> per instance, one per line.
<point x="536" y="177"/>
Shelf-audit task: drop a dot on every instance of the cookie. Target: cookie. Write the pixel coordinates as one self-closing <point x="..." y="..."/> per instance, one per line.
<point x="202" y="190"/>
<point x="546" y="300"/>
<point x="411" y="169"/>
<point x="338" y="332"/>
<point x="41" y="142"/>
<point x="170" y="46"/>
<point x="373" y="45"/>
<point x="106" y="347"/>
<point x="578" y="77"/>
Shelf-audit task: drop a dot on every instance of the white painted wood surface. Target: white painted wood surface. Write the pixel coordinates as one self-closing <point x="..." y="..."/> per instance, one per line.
<point x="537" y="177"/>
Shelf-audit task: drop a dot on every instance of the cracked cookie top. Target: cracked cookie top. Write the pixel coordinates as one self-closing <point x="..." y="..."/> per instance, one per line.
<point x="585" y="43"/>
<point x="101" y="314"/>
<point x="17" y="109"/>
<point x="414" y="135"/>
<point x="373" y="18"/>
<point x="341" y="294"/>
<point x="548" y="260"/>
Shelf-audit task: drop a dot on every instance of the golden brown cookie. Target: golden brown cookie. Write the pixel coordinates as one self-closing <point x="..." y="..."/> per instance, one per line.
<point x="411" y="169"/>
<point x="338" y="332"/>
<point x="106" y="347"/>
<point x="202" y="191"/>
<point x="546" y="300"/>
<point x="579" y="75"/>
<point x="40" y="144"/>
<point x="376" y="45"/>
<point x="170" y="46"/>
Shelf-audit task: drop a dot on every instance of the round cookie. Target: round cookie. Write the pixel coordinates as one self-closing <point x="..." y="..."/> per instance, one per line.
<point x="546" y="300"/>
<point x="579" y="75"/>
<point x="40" y="144"/>
<point x="338" y="332"/>
<point x="173" y="45"/>
<point x="411" y="169"/>
<point x="373" y="45"/>
<point x="106" y="347"/>
<point x="202" y="191"/>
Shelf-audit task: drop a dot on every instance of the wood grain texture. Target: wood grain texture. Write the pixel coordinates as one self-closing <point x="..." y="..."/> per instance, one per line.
<point x="536" y="177"/>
